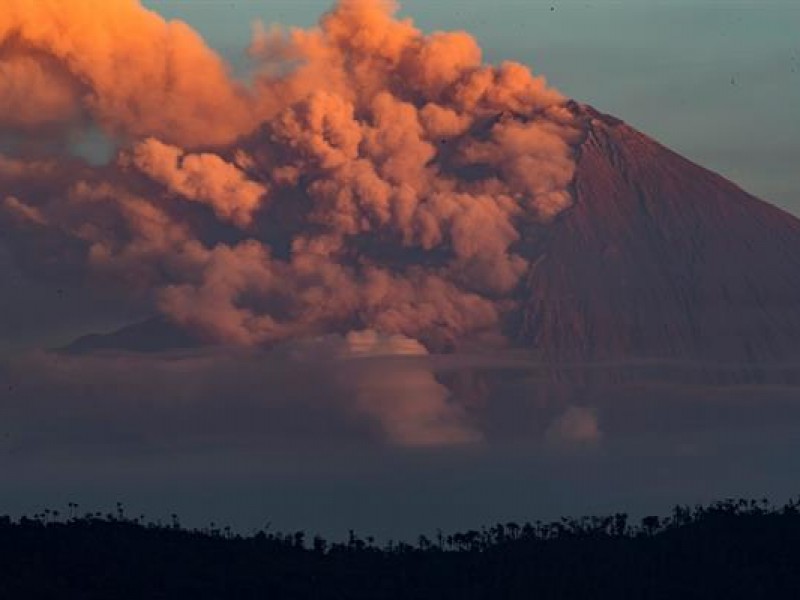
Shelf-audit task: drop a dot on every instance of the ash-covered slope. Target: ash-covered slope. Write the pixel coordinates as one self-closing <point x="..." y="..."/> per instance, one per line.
<point x="661" y="258"/>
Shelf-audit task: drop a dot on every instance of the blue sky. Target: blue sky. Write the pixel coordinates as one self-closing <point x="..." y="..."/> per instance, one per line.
<point x="715" y="80"/>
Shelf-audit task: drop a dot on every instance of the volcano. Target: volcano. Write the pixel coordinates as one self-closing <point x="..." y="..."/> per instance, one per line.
<point x="657" y="258"/>
<point x="661" y="258"/>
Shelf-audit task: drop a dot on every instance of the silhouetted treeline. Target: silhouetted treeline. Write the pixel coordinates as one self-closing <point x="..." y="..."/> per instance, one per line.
<point x="730" y="549"/>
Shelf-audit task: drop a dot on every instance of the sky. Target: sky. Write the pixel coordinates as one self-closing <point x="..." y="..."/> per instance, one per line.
<point x="717" y="81"/>
<point x="294" y="422"/>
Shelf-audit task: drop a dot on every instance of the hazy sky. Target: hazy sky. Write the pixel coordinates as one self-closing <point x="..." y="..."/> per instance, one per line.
<point x="715" y="80"/>
<point x="253" y="438"/>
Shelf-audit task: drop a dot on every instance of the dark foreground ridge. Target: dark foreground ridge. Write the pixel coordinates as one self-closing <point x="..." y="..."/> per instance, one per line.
<point x="730" y="549"/>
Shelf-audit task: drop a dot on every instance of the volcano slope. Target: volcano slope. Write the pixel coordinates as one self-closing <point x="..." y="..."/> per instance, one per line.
<point x="661" y="258"/>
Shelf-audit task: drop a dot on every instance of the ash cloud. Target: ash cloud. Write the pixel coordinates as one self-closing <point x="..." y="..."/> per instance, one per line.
<point x="392" y="382"/>
<point x="368" y="176"/>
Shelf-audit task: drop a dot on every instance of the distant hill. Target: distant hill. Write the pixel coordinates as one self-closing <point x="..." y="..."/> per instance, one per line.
<point x="153" y="335"/>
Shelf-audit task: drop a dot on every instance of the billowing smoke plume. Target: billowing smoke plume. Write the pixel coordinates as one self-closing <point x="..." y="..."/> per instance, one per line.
<point x="398" y="390"/>
<point x="369" y="176"/>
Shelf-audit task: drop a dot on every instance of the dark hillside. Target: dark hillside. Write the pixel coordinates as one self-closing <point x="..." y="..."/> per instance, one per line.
<point x="728" y="550"/>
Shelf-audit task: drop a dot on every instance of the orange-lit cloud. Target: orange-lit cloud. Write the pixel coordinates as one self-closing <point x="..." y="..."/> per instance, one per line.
<point x="118" y="64"/>
<point x="205" y="178"/>
<point x="369" y="176"/>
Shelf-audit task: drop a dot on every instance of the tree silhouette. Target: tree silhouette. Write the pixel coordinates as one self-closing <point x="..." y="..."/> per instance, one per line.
<point x="731" y="549"/>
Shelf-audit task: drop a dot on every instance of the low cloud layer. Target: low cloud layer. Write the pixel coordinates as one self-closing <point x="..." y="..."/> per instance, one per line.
<point x="363" y="386"/>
